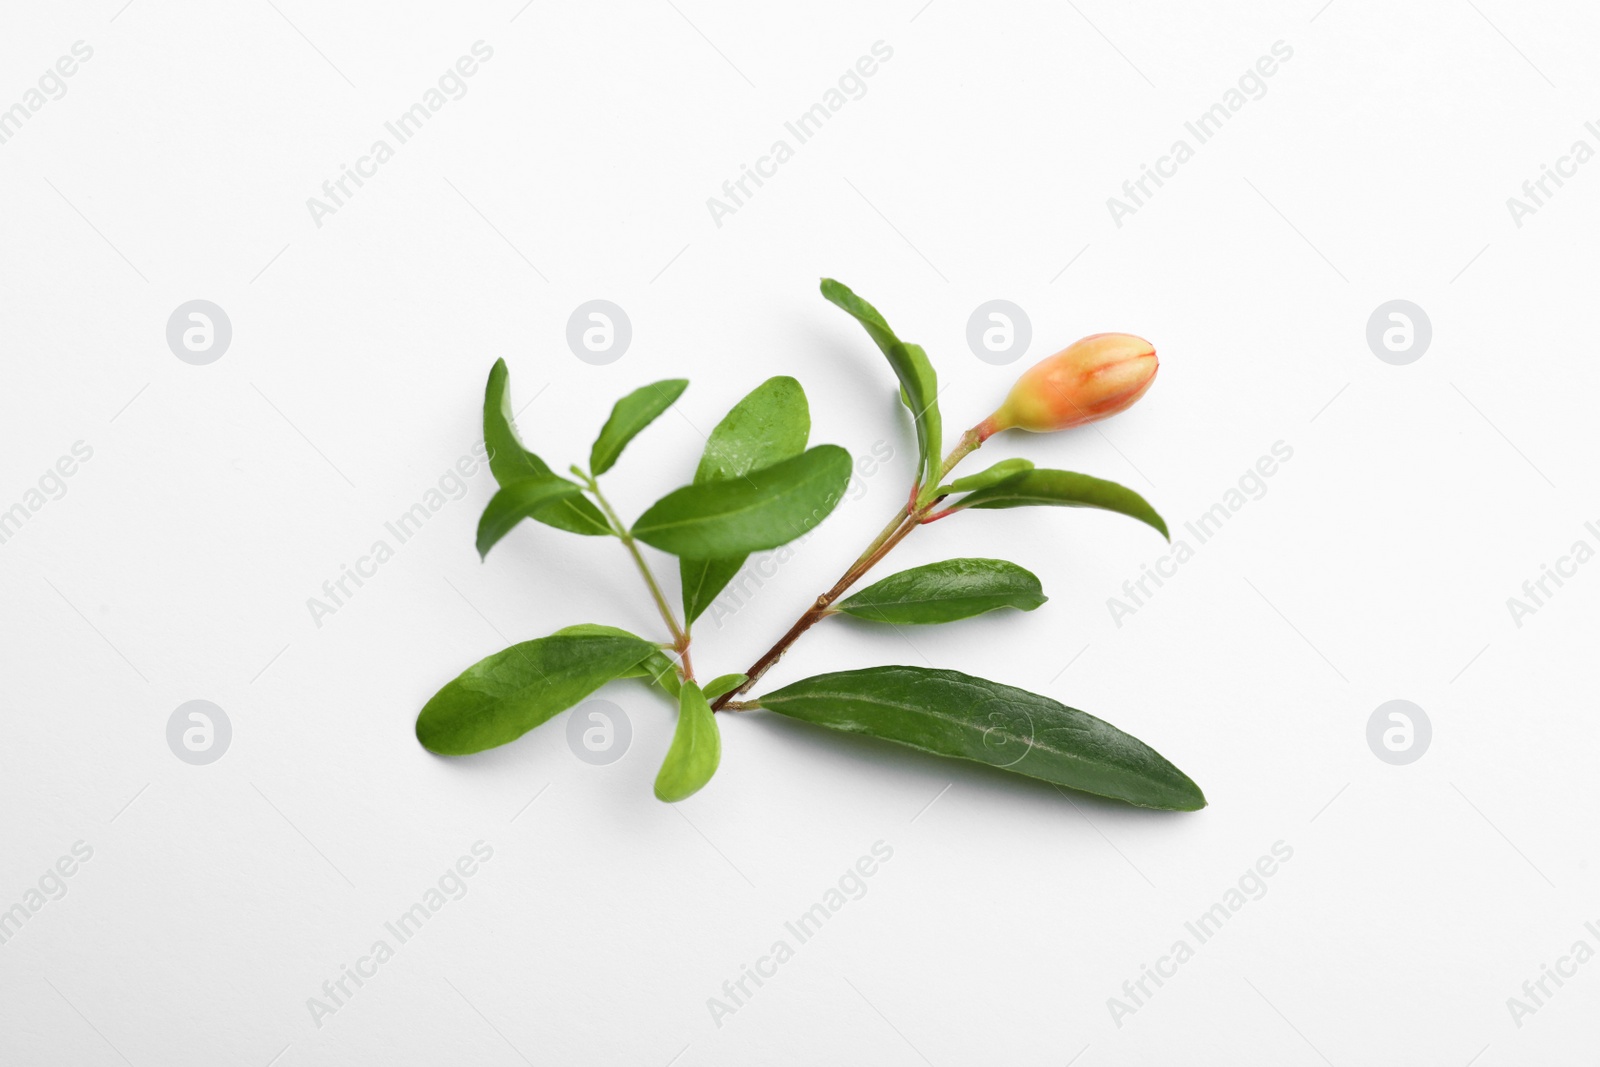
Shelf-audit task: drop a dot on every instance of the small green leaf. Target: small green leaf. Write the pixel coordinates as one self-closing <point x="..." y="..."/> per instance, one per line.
<point x="520" y="500"/>
<point x="696" y="748"/>
<point x="660" y="670"/>
<point x="769" y="425"/>
<point x="764" y="509"/>
<point x="1064" y="489"/>
<point x="510" y="462"/>
<point x="919" y="385"/>
<point x="700" y="580"/>
<point x="986" y="477"/>
<point x="500" y="698"/>
<point x="952" y="714"/>
<point x="946" y="591"/>
<point x="630" y="415"/>
<point x="723" y="684"/>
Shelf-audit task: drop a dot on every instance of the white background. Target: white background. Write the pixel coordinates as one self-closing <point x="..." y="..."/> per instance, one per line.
<point x="1377" y="566"/>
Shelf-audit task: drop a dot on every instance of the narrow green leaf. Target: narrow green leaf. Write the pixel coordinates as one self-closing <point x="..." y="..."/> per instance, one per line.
<point x="723" y="684"/>
<point x="630" y="415"/>
<point x="500" y="698"/>
<point x="769" y="425"/>
<point x="946" y="591"/>
<point x="696" y="748"/>
<point x="764" y="509"/>
<point x="919" y="385"/>
<point x="520" y="500"/>
<point x="1064" y="489"/>
<point x="952" y="714"/>
<point x="986" y="477"/>
<point x="510" y="462"/>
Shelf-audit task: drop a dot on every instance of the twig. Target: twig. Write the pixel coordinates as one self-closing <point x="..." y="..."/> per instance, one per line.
<point x="923" y="500"/>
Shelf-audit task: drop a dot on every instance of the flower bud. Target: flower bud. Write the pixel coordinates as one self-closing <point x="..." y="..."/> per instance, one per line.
<point x="1088" y="380"/>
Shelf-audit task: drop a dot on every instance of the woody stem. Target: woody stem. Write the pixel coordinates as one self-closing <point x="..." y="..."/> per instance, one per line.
<point x="898" y="529"/>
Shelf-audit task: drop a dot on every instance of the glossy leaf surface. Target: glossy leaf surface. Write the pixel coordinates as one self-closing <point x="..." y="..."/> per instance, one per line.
<point x="946" y="591"/>
<point x="771" y="424"/>
<point x="952" y="714"/>
<point x="500" y="698"/>
<point x="520" y="500"/>
<point x="763" y="509"/>
<point x="919" y="385"/>
<point x="509" y="461"/>
<point x="630" y="415"/>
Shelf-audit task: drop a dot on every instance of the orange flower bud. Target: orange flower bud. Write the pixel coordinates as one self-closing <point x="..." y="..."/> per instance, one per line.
<point x="1088" y="380"/>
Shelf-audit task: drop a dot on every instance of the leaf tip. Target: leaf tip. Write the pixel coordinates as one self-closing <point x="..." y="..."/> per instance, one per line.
<point x="426" y="733"/>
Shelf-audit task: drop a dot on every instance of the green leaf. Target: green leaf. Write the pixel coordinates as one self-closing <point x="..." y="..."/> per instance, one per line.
<point x="764" y="509"/>
<point x="919" y="385"/>
<point x="700" y="580"/>
<point x="769" y="425"/>
<point x="952" y="714"/>
<point x="696" y="748"/>
<point x="660" y="670"/>
<point x="724" y="684"/>
<point x="595" y="629"/>
<point x="520" y="500"/>
<point x="946" y="591"/>
<point x="630" y="415"/>
<point x="500" y="698"/>
<point x="986" y="477"/>
<point x="510" y="462"/>
<point x="657" y="667"/>
<point x="1064" y="489"/>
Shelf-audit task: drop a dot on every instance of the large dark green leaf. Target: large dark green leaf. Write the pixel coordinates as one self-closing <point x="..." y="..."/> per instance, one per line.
<point x="630" y="415"/>
<point x="763" y="509"/>
<point x="919" y="385"/>
<point x="945" y="591"/>
<point x="510" y="462"/>
<point x="769" y="425"/>
<point x="499" y="699"/>
<point x="952" y="714"/>
<point x="696" y="748"/>
<point x="520" y="500"/>
<point x="1064" y="489"/>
